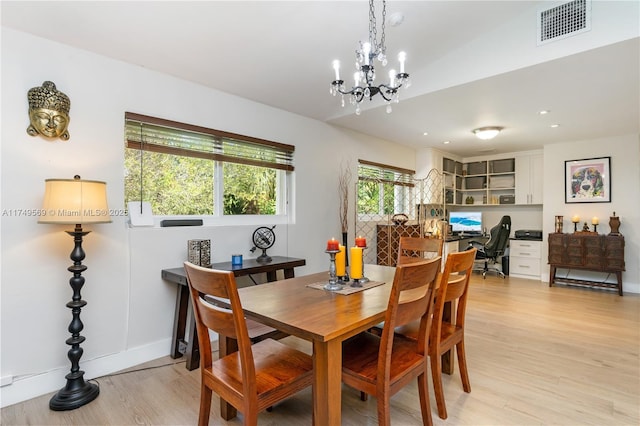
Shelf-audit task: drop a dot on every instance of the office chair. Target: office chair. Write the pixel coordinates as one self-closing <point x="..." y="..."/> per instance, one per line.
<point x="494" y="247"/>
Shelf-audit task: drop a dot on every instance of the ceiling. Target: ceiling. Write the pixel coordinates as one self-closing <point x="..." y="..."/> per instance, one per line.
<point x="280" y="54"/>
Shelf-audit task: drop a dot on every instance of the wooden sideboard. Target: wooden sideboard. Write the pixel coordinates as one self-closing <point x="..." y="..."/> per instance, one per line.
<point x="587" y="251"/>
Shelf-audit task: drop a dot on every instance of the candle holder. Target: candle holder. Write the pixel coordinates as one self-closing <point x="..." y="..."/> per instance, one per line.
<point x="333" y="284"/>
<point x="559" y="220"/>
<point x="575" y="226"/>
<point x="595" y="227"/>
<point x="364" y="278"/>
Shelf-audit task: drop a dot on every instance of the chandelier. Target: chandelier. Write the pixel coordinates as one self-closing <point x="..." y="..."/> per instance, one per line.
<point x="365" y="75"/>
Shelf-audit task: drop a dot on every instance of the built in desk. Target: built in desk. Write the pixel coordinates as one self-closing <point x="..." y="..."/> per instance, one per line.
<point x="189" y="346"/>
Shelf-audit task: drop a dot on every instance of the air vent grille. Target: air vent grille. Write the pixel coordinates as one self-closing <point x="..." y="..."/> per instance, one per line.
<point x="565" y="20"/>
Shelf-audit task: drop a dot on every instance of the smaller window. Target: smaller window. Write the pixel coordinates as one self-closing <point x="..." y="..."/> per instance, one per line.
<point x="383" y="189"/>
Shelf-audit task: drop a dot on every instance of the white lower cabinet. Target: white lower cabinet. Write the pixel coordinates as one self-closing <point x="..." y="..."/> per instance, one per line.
<point x="524" y="258"/>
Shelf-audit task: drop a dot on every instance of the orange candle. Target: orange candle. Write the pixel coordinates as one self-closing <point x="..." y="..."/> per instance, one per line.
<point x="341" y="262"/>
<point x="332" y="244"/>
<point x="361" y="242"/>
<point x="356" y="263"/>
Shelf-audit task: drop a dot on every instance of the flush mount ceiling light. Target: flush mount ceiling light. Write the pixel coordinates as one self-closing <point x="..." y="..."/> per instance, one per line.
<point x="486" y="133"/>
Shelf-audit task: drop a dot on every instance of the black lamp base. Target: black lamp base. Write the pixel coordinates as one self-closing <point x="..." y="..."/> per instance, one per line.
<point x="75" y="394"/>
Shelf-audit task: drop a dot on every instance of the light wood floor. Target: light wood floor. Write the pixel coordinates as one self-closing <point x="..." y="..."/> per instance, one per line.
<point x="537" y="356"/>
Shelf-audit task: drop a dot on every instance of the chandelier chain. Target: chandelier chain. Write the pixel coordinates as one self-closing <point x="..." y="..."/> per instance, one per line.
<point x="373" y="29"/>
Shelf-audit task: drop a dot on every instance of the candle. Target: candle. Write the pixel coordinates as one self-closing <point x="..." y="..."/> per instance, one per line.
<point x="361" y="242"/>
<point x="336" y="67"/>
<point x="575" y="219"/>
<point x="595" y="221"/>
<point x="366" y="48"/>
<point x="332" y="244"/>
<point x="392" y="78"/>
<point x="402" y="56"/>
<point x="341" y="263"/>
<point x="356" y="263"/>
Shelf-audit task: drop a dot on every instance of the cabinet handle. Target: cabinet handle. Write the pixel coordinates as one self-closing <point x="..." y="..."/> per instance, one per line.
<point x="523" y="266"/>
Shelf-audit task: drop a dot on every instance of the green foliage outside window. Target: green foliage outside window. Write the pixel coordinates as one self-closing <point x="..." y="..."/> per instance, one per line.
<point x="249" y="189"/>
<point x="180" y="185"/>
<point x="172" y="184"/>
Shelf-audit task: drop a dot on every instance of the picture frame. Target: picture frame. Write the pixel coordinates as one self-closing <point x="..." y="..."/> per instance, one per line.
<point x="587" y="180"/>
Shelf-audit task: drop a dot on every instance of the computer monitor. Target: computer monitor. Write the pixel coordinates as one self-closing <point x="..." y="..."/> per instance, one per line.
<point x="466" y="222"/>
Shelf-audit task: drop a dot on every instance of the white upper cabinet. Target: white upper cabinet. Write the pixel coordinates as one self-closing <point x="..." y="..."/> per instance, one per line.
<point x="529" y="171"/>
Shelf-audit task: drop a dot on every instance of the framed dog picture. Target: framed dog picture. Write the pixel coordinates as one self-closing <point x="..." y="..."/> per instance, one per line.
<point x="588" y="180"/>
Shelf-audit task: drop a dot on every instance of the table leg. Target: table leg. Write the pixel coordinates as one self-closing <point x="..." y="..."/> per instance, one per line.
<point x="552" y="275"/>
<point x="193" y="347"/>
<point x="179" y="321"/>
<point x="288" y="273"/>
<point x="327" y="383"/>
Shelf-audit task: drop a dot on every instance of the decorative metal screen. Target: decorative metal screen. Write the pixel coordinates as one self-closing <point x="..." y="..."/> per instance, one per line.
<point x="418" y="211"/>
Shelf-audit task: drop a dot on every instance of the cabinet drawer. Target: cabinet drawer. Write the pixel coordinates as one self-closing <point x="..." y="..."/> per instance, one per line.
<point x="524" y="266"/>
<point x="525" y="248"/>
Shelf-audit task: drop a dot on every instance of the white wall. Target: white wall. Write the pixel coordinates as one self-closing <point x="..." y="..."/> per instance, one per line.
<point x="625" y="193"/>
<point x="129" y="314"/>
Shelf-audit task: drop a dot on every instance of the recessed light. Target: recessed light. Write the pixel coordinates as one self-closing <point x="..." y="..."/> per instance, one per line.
<point x="446" y="142"/>
<point x="425" y="134"/>
<point x="555" y="125"/>
<point x="544" y="111"/>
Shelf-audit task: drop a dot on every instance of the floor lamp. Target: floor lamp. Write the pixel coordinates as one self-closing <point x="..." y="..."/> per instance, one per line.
<point x="75" y="201"/>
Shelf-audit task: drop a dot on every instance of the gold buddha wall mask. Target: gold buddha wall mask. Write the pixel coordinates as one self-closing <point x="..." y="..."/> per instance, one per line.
<point x="48" y="112"/>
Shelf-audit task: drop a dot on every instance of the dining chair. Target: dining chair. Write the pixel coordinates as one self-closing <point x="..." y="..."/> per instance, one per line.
<point x="444" y="335"/>
<point x="256" y="376"/>
<point x="382" y="365"/>
<point x="412" y="249"/>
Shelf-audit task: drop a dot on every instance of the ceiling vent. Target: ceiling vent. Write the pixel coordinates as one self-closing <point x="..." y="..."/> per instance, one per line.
<point x="566" y="20"/>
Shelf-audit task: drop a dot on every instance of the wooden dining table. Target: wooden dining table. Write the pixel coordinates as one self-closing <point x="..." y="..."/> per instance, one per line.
<point x="326" y="319"/>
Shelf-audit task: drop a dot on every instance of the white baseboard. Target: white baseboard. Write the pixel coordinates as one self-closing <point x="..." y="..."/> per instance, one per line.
<point x="24" y="388"/>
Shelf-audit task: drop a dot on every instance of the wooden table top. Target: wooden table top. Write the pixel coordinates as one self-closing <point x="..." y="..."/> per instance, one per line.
<point x="312" y="314"/>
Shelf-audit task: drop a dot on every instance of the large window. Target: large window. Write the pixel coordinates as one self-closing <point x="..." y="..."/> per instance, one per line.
<point x="383" y="189"/>
<point x="181" y="169"/>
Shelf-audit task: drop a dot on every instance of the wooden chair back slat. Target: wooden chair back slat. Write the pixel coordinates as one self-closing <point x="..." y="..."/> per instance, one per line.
<point x="415" y="249"/>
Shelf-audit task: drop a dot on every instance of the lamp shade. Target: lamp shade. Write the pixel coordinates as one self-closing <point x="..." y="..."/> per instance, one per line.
<point x="74" y="201"/>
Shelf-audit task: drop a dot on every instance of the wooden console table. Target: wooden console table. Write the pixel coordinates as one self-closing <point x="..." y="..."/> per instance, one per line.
<point x="189" y="347"/>
<point x="587" y="251"/>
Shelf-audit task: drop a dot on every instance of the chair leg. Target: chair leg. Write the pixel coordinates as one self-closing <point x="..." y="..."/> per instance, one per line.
<point x="363" y="396"/>
<point x="205" y="405"/>
<point x="425" y="405"/>
<point x="384" y="415"/>
<point x="436" y="374"/>
<point x="462" y="362"/>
